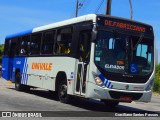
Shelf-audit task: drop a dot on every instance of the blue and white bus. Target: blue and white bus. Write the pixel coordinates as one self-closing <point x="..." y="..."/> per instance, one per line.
<point x="92" y="56"/>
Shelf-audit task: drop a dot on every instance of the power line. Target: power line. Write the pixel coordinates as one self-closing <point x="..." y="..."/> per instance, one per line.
<point x="99" y="6"/>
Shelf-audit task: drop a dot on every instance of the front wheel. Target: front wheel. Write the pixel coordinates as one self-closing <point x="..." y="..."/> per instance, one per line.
<point x="62" y="92"/>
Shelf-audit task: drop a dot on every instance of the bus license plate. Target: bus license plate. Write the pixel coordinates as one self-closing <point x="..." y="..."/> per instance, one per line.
<point x="125" y="99"/>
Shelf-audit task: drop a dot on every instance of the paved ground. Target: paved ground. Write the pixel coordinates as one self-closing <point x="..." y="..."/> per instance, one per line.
<point x="42" y="100"/>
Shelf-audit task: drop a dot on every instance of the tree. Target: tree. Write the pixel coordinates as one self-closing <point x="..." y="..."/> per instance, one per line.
<point x="156" y="87"/>
<point x="1" y="52"/>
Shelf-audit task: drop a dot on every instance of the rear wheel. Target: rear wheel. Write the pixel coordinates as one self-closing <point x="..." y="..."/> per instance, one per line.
<point x="18" y="85"/>
<point x="62" y="92"/>
<point x="110" y="103"/>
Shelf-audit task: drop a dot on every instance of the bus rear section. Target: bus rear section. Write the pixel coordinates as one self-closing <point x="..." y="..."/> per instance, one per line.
<point x="122" y="64"/>
<point x="7" y="59"/>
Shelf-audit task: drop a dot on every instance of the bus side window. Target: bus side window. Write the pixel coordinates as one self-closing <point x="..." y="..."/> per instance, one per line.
<point x="18" y="41"/>
<point x="6" y="50"/>
<point x="84" y="46"/>
<point x="47" y="43"/>
<point x="63" y="42"/>
<point x="12" y="49"/>
<point x="35" y="44"/>
<point x="24" y="45"/>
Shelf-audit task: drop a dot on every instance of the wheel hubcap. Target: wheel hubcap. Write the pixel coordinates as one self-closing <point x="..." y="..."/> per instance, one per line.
<point x="63" y="91"/>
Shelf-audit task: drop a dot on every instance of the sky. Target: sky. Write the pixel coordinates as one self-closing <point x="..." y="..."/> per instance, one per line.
<point x="21" y="15"/>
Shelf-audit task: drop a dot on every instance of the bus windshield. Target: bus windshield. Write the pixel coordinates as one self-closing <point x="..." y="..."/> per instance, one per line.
<point x="124" y="54"/>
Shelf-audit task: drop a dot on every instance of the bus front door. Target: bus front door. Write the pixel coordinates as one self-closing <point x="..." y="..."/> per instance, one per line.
<point x="81" y="78"/>
<point x="83" y="63"/>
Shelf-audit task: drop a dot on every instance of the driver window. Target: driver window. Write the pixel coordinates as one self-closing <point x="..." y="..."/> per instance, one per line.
<point x="142" y="55"/>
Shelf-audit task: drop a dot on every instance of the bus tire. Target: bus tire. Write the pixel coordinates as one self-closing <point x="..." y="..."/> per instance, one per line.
<point x="110" y="103"/>
<point x="62" y="92"/>
<point x="18" y="85"/>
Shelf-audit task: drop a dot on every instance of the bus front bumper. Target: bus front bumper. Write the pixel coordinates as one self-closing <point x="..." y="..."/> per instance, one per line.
<point x="97" y="92"/>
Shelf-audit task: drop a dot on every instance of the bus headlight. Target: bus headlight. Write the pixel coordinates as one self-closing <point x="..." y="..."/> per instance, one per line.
<point x="150" y="85"/>
<point x="98" y="80"/>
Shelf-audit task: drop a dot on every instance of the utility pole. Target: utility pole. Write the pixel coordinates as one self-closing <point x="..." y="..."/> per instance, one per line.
<point x="131" y="10"/>
<point x="78" y="6"/>
<point x="77" y="2"/>
<point x="108" y="7"/>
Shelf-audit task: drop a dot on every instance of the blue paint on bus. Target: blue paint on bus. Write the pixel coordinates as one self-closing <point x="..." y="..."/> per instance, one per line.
<point x="106" y="82"/>
<point x="10" y="65"/>
<point x="19" y="34"/>
<point x="19" y="63"/>
<point x="6" y="63"/>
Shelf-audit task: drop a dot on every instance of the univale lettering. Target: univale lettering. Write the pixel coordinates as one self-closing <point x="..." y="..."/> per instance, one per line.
<point x="42" y="66"/>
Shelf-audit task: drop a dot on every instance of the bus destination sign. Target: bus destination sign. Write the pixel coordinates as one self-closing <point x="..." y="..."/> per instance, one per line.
<point x="128" y="25"/>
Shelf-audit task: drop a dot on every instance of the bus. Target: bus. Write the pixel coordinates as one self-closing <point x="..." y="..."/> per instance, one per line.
<point x="91" y="56"/>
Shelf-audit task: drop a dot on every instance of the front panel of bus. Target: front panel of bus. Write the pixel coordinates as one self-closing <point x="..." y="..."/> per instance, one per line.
<point x="122" y="61"/>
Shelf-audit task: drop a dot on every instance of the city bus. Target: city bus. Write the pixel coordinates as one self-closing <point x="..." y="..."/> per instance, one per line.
<point x="91" y="56"/>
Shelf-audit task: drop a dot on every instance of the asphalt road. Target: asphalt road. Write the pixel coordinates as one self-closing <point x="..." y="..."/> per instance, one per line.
<point x="42" y="100"/>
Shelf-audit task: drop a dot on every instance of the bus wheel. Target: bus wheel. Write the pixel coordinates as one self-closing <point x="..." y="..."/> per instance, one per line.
<point x="18" y="85"/>
<point x="62" y="92"/>
<point x="110" y="103"/>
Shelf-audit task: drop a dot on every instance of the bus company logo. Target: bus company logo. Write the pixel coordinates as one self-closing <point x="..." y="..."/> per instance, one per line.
<point x="127" y="87"/>
<point x="42" y="66"/>
<point x="18" y="62"/>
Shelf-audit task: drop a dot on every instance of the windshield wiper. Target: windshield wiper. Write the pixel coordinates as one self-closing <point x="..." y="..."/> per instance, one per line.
<point x="140" y="39"/>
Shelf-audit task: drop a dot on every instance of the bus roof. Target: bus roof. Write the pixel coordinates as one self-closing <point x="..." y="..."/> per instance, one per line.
<point x="55" y="25"/>
<point x="68" y="22"/>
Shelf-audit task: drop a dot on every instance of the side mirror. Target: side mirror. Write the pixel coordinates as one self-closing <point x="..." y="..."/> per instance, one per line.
<point x="94" y="33"/>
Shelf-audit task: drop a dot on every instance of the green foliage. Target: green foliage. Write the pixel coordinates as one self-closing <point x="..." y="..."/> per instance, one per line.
<point x="156" y="87"/>
<point x="158" y="70"/>
<point x="1" y="52"/>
